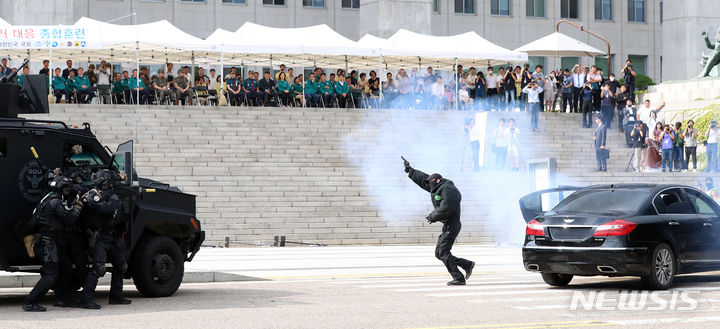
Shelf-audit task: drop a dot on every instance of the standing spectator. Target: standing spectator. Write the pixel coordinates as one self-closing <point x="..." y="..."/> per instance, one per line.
<point x="213" y="80"/>
<point x="621" y="100"/>
<point x="653" y="121"/>
<point x="283" y="87"/>
<point x="518" y="86"/>
<point x="290" y="75"/>
<point x="606" y="106"/>
<point x="567" y="92"/>
<point x="594" y="78"/>
<point x="137" y="86"/>
<point x="668" y="138"/>
<point x="711" y="190"/>
<point x="188" y="74"/>
<point x="234" y="91"/>
<point x="657" y="131"/>
<point x="644" y="112"/>
<point x="83" y="89"/>
<point x="90" y="74"/>
<point x="104" y="75"/>
<point x="474" y="134"/>
<point x="539" y="77"/>
<point x="162" y="87"/>
<point x="601" y="154"/>
<point x="712" y="147"/>
<point x="526" y="79"/>
<point x="66" y="72"/>
<point x="59" y="86"/>
<point x="629" y="77"/>
<point x="629" y="120"/>
<point x="510" y="90"/>
<point x="312" y="96"/>
<point x="182" y="87"/>
<point x="390" y="90"/>
<point x="170" y="76"/>
<point x="267" y="88"/>
<point x="438" y="91"/>
<point x="480" y="89"/>
<point x="282" y="70"/>
<point x="550" y="89"/>
<point x="118" y="90"/>
<point x="533" y="93"/>
<point x="491" y="81"/>
<point x="501" y="136"/>
<point x="501" y="89"/>
<point x="470" y="81"/>
<point x="690" y="136"/>
<point x="587" y="105"/>
<point x="513" y="145"/>
<point x="46" y="67"/>
<point x="373" y="77"/>
<point x="678" y="145"/>
<point x="614" y="84"/>
<point x="579" y="80"/>
<point x="233" y="70"/>
<point x="637" y="139"/>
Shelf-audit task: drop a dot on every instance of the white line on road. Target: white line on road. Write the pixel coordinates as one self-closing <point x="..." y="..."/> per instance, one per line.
<point x="475" y="287"/>
<point x="435" y="284"/>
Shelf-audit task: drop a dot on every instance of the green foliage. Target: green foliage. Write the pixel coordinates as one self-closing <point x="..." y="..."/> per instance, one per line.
<point x="702" y="118"/>
<point x="699" y="99"/>
<point x="643" y="81"/>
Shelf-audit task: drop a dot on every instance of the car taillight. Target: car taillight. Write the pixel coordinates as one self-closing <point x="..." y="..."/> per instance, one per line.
<point x="615" y="228"/>
<point x="534" y="228"/>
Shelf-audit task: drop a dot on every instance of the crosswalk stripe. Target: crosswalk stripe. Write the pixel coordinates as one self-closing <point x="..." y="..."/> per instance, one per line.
<point x="497" y="293"/>
<point x="428" y="278"/>
<point x="435" y="284"/>
<point x="475" y="287"/>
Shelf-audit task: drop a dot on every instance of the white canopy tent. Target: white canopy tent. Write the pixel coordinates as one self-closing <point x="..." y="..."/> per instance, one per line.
<point x="558" y="44"/>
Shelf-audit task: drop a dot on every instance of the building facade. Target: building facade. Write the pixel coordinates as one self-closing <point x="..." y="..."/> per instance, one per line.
<point x="633" y="27"/>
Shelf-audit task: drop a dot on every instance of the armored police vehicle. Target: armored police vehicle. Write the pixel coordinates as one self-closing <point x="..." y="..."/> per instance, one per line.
<point x="163" y="231"/>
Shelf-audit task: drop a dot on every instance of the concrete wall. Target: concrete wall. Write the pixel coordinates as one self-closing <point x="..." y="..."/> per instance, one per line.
<point x="685" y="20"/>
<point x="383" y="18"/>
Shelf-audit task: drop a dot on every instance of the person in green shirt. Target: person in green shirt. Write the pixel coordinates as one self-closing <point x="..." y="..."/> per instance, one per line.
<point x="312" y="98"/>
<point x="678" y="146"/>
<point x="342" y="90"/>
<point x="327" y="92"/>
<point x="83" y="88"/>
<point x="118" y="90"/>
<point x="59" y="85"/>
<point x="125" y="83"/>
<point x="21" y="78"/>
<point x="297" y="90"/>
<point x="138" y="86"/>
<point x="70" y="86"/>
<point x="283" y="87"/>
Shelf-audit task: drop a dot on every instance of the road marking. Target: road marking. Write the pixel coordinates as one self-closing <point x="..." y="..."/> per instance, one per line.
<point x="475" y="287"/>
<point x="496" y="293"/>
<point x="439" y="276"/>
<point x="563" y="324"/>
<point x="435" y="284"/>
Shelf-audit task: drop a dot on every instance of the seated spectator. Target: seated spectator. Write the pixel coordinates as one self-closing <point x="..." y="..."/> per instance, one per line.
<point x="390" y="90"/>
<point x="250" y="88"/>
<point x="312" y="92"/>
<point x="372" y="79"/>
<point x="126" y="87"/>
<point x="83" y="89"/>
<point x="137" y="87"/>
<point x="90" y="74"/>
<point x="296" y="91"/>
<point x="162" y="87"/>
<point x="70" y="86"/>
<point x="220" y="90"/>
<point x="355" y="91"/>
<point x="465" y="97"/>
<point x="327" y="92"/>
<point x="118" y="90"/>
<point x="212" y="81"/>
<point x="59" y="86"/>
<point x="438" y="92"/>
<point x="21" y="77"/>
<point x="283" y="88"/>
<point x="267" y="88"/>
<point x="342" y="91"/>
<point x="405" y="89"/>
<point x="182" y="87"/>
<point x="202" y="95"/>
<point x="236" y="95"/>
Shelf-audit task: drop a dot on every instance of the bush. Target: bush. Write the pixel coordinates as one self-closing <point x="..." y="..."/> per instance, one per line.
<point x="702" y="118"/>
<point x="642" y="82"/>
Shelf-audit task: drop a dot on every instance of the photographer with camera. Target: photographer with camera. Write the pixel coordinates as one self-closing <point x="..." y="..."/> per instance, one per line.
<point x="667" y="136"/>
<point x="711" y="145"/>
<point x="628" y="120"/>
<point x="637" y="139"/>
<point x="629" y="77"/>
<point x="690" y="135"/>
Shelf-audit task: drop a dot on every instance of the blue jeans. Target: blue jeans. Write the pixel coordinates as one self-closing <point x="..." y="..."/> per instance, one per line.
<point x="534" y="115"/>
<point x="667" y="155"/>
<point x="510" y="98"/>
<point x="712" y="161"/>
<point x="678" y="162"/>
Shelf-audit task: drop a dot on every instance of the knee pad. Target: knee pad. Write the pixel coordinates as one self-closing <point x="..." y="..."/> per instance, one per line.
<point x="99" y="270"/>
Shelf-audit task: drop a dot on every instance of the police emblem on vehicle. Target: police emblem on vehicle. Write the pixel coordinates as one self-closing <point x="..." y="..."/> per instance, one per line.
<point x="32" y="182"/>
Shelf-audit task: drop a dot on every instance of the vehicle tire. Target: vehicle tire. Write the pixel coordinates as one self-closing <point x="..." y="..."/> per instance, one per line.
<point x="557" y="279"/>
<point x="158" y="266"/>
<point x="662" y="269"/>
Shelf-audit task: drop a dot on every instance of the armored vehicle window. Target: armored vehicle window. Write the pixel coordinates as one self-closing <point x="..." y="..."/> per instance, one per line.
<point x="3" y="147"/>
<point x="81" y="155"/>
<point x="671" y="202"/>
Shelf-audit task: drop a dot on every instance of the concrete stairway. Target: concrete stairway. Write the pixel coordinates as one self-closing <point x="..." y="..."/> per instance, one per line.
<point x="335" y="176"/>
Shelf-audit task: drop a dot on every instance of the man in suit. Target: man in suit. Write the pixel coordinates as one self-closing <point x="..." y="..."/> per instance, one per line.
<point x="66" y="72"/>
<point x="600" y="152"/>
<point x="267" y="88"/>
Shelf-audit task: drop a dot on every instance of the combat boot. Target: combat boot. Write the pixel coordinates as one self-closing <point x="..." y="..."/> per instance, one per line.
<point x="89" y="304"/>
<point x="456" y="283"/>
<point x="119" y="301"/>
<point x="33" y="307"/>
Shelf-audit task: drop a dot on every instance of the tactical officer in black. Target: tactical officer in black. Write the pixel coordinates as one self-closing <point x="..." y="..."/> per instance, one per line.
<point x="104" y="239"/>
<point x="57" y="210"/>
<point x="446" y="201"/>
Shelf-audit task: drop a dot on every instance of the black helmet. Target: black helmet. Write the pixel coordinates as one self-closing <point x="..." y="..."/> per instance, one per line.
<point x="103" y="177"/>
<point x="59" y="182"/>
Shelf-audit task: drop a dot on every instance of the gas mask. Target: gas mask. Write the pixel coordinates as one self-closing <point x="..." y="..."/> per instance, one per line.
<point x="433" y="184"/>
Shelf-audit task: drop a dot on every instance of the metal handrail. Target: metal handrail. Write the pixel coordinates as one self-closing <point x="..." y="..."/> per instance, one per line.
<point x="582" y="28"/>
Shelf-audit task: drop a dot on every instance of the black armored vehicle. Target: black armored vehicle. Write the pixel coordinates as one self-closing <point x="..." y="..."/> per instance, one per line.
<point x="163" y="231"/>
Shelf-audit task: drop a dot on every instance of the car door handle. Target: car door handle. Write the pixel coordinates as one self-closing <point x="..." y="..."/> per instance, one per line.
<point x="707" y="224"/>
<point x="674" y="223"/>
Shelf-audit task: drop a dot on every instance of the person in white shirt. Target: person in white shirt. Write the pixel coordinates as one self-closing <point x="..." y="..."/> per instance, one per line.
<point x="491" y="80"/>
<point x="643" y="112"/>
<point x="712" y="147"/>
<point x="474" y="134"/>
<point x="502" y="141"/>
<point x="579" y="80"/>
<point x="533" y="91"/>
<point x="465" y="97"/>
<point x="212" y="80"/>
<point x="513" y="145"/>
<point x="438" y="91"/>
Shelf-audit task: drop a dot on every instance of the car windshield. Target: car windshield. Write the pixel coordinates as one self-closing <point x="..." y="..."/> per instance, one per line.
<point x="621" y="201"/>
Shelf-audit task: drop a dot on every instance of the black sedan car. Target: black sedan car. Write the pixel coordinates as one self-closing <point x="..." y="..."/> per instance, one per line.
<point x="646" y="230"/>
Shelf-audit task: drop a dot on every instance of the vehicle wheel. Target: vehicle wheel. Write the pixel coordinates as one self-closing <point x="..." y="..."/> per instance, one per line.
<point x="662" y="269"/>
<point x="158" y="266"/>
<point x="557" y="279"/>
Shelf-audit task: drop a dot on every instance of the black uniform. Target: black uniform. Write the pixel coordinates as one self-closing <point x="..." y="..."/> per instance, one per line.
<point x="446" y="201"/>
<point x="98" y="220"/>
<point x="51" y="217"/>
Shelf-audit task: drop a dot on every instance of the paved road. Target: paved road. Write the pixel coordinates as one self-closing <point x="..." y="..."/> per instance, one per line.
<point x="383" y="287"/>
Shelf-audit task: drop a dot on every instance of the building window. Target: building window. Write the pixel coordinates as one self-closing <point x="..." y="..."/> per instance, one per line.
<point x="603" y="10"/>
<point x="314" y="3"/>
<point x="464" y="6"/>
<point x="199" y="1"/>
<point x="242" y="2"/>
<point x="569" y="9"/>
<point x="601" y="62"/>
<point x="436" y="6"/>
<point x="500" y="7"/>
<point x="535" y="8"/>
<point x="535" y="61"/>
<point x="638" y="63"/>
<point x="636" y="11"/>
<point x="354" y="4"/>
<point x="274" y="2"/>
<point x="569" y="62"/>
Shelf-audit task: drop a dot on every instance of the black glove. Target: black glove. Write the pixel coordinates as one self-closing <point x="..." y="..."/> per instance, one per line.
<point x="406" y="164"/>
<point x="430" y="221"/>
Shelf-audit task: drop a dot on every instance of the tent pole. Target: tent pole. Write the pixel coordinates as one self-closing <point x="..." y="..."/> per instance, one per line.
<point x="272" y="74"/>
<point x="192" y="69"/>
<point x="346" y="65"/>
<point x="302" y="82"/>
<point x="137" y="67"/>
<point x="50" y="73"/>
<point x="222" y="74"/>
<point x="379" y="81"/>
<point x="457" y="83"/>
